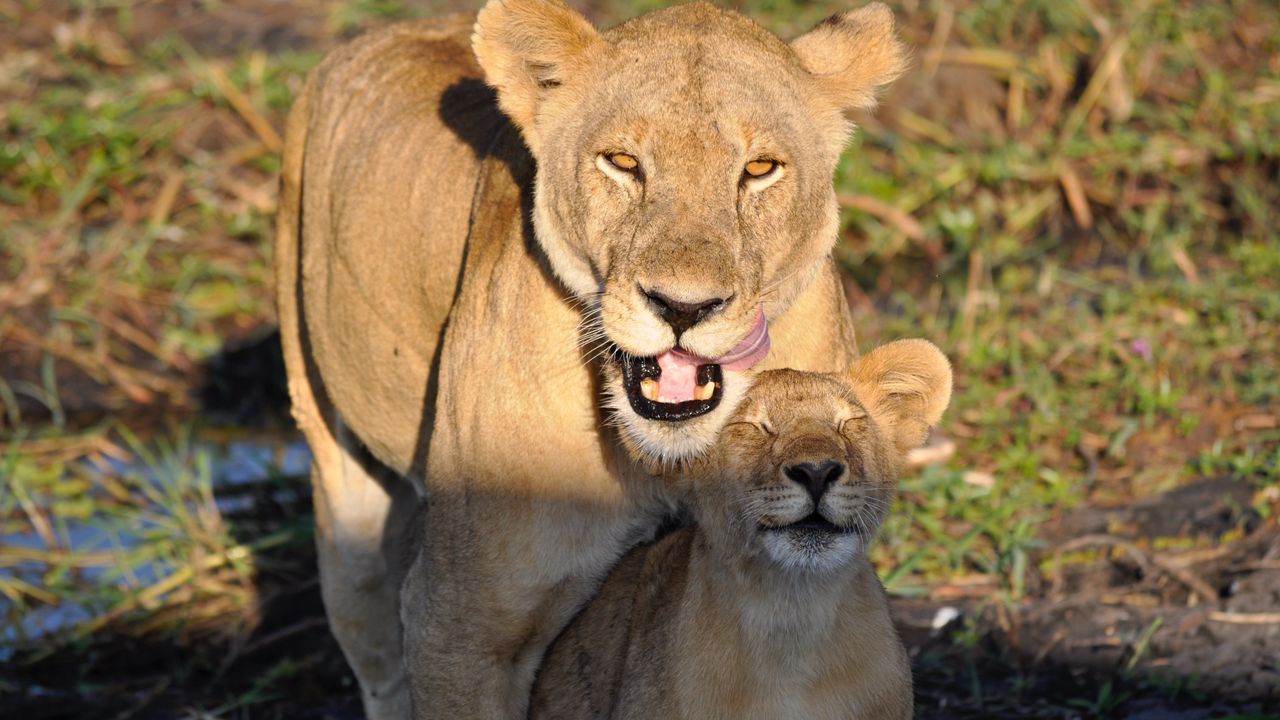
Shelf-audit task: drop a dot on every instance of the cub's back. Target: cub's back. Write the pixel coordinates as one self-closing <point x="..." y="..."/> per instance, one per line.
<point x="619" y="634"/>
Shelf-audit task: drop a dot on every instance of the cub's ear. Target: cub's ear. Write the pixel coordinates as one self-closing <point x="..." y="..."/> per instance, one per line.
<point x="906" y="386"/>
<point x="853" y="54"/>
<point x="527" y="48"/>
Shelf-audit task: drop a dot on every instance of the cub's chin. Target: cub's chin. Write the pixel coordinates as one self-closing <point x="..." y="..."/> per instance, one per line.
<point x="812" y="544"/>
<point x="668" y="433"/>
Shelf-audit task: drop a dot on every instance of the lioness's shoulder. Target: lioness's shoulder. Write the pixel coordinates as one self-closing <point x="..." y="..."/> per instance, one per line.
<point x="438" y="34"/>
<point x="434" y="52"/>
<point x="414" y="87"/>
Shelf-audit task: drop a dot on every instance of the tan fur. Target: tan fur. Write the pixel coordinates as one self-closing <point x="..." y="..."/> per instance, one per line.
<point x="439" y="347"/>
<point x="710" y="622"/>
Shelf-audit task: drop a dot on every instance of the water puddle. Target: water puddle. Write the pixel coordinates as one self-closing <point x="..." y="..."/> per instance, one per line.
<point x="81" y="538"/>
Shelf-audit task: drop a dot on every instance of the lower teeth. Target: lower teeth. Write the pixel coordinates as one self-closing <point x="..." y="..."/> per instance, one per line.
<point x="649" y="389"/>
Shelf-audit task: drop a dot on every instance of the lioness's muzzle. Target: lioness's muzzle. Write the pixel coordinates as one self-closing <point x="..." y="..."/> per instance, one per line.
<point x="677" y="385"/>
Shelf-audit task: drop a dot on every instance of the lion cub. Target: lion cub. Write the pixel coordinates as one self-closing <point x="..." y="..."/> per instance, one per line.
<point x="768" y="607"/>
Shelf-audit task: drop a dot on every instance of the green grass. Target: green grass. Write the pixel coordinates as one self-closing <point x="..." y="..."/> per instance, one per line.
<point x="1056" y="371"/>
<point x="1083" y="204"/>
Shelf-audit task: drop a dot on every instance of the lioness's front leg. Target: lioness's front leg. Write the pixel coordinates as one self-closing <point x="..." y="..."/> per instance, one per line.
<point x="362" y="513"/>
<point x="494" y="582"/>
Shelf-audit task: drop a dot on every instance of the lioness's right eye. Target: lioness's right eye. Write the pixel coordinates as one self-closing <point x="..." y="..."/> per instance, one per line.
<point x="623" y="161"/>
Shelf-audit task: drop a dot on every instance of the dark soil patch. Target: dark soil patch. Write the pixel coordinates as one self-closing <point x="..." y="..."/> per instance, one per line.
<point x="290" y="667"/>
<point x="1127" y="630"/>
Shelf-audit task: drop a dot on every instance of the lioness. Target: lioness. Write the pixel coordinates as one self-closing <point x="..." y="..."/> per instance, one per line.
<point x="768" y="606"/>
<point x="513" y="250"/>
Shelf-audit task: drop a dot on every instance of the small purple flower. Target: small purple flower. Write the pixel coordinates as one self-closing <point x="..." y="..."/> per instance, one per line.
<point x="1141" y="348"/>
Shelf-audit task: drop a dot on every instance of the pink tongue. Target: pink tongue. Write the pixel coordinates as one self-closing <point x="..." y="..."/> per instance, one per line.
<point x="679" y="368"/>
<point x="677" y="380"/>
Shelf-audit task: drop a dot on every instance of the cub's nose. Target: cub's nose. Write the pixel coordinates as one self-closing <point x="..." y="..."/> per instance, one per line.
<point x="682" y="315"/>
<point x="815" y="478"/>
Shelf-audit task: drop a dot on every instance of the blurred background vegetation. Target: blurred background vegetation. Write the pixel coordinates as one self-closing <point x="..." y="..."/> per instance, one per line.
<point x="1077" y="199"/>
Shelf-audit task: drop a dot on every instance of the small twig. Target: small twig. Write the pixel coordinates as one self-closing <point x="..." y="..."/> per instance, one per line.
<point x="938" y="39"/>
<point x="1015" y="101"/>
<point x="1238" y="618"/>
<point x="1091" y="541"/>
<point x="999" y="61"/>
<point x="260" y="125"/>
<point x="141" y="340"/>
<point x="1058" y="636"/>
<point x="1194" y="557"/>
<point x="1186" y="577"/>
<point x="168" y="194"/>
<point x="1185" y="265"/>
<point x="1106" y="68"/>
<point x="1073" y="188"/>
<point x="34" y="514"/>
<point x="939" y="450"/>
<point x="1148" y="565"/>
<point x="885" y="212"/>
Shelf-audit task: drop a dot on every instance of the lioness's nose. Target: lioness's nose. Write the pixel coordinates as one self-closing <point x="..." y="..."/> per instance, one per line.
<point x="682" y="315"/>
<point x="815" y="477"/>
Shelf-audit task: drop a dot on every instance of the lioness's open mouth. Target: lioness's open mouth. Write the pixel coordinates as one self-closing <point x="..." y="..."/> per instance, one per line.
<point x="677" y="385"/>
<point x="642" y="379"/>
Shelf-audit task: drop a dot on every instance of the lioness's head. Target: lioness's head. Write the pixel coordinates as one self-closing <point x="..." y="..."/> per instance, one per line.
<point x="802" y="475"/>
<point x="684" y="184"/>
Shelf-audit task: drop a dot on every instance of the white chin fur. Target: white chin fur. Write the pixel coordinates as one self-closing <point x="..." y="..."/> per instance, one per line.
<point x="835" y="553"/>
<point x="670" y="442"/>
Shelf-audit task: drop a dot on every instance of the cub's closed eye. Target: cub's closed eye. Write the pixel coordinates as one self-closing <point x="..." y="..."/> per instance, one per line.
<point x="761" y="168"/>
<point x="623" y="161"/>
<point x="749" y="426"/>
<point x="857" y="423"/>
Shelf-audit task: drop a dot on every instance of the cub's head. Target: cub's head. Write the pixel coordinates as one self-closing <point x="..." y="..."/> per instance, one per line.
<point x="684" y="185"/>
<point x="802" y="475"/>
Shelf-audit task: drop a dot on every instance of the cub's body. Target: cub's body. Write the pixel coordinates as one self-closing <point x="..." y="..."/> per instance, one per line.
<point x="659" y="642"/>
<point x="767" y="607"/>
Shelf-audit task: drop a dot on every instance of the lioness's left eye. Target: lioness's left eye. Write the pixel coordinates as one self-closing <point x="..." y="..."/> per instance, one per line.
<point x="759" y="168"/>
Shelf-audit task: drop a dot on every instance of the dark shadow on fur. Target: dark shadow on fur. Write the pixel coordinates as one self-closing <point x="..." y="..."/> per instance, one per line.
<point x="469" y="108"/>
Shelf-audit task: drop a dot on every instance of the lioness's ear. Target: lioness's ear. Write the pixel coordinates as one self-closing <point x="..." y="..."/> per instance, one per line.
<point x="906" y="386"/>
<point x="526" y="49"/>
<point x="853" y="54"/>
